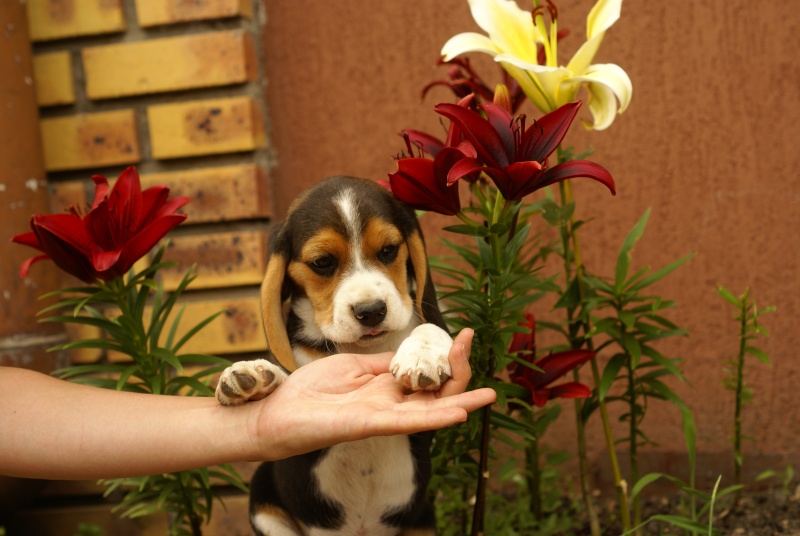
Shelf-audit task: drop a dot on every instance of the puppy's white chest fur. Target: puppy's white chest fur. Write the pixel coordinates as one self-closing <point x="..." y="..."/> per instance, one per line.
<point x="368" y="478"/>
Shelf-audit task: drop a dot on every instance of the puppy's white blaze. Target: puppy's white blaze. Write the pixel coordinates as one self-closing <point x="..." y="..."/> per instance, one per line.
<point x="272" y="526"/>
<point x="348" y="208"/>
<point x="371" y="477"/>
<point x="366" y="286"/>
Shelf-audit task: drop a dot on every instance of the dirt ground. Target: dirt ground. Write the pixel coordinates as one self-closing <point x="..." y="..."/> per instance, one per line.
<point x="758" y="513"/>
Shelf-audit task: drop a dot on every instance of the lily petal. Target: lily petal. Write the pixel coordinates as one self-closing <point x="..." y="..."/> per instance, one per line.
<point x="26" y="266"/>
<point x="509" y="26"/>
<point x="551" y="129"/>
<point x="570" y="390"/>
<point x="610" y="88"/>
<point x="27" y="239"/>
<point x="558" y="364"/>
<point x="139" y="245"/>
<point x="486" y="140"/>
<point x="464" y="43"/>
<point x="602" y="16"/>
<point x="572" y="169"/>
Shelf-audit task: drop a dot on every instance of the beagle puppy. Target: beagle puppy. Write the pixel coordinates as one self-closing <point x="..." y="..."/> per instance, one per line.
<point x="347" y="272"/>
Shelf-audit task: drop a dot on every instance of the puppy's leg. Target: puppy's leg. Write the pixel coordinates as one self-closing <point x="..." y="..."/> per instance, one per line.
<point x="248" y="380"/>
<point x="421" y="360"/>
<point x="273" y="521"/>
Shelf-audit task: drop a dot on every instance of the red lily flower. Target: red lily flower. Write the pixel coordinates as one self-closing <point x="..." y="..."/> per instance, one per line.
<point x="119" y="229"/>
<point x="463" y="81"/>
<point x="422" y="183"/>
<point x="514" y="157"/>
<point x="553" y="367"/>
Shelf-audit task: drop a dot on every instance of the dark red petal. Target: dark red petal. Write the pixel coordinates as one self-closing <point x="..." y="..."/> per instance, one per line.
<point x="153" y="199"/>
<point x="546" y="134"/>
<point x="573" y="169"/>
<point x="26" y="266"/>
<point x="105" y="230"/>
<point x="171" y="206"/>
<point x="138" y="246"/>
<point x="105" y="260"/>
<point x="541" y="395"/>
<point x="125" y="201"/>
<point x="66" y="251"/>
<point x="462" y="168"/>
<point x="429" y="144"/>
<point x="501" y="120"/>
<point x="27" y="239"/>
<point x="521" y="176"/>
<point x="66" y="227"/>
<point x="558" y="364"/>
<point x="525" y="340"/>
<point x="487" y="141"/>
<point x="414" y="183"/>
<point x="570" y="390"/>
<point x="100" y="189"/>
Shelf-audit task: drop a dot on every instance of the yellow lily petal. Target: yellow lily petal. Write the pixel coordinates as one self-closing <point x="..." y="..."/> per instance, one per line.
<point x="468" y="42"/>
<point x="547" y="80"/>
<point x="610" y="89"/>
<point x="509" y="26"/>
<point x="602" y="16"/>
<point x="584" y="56"/>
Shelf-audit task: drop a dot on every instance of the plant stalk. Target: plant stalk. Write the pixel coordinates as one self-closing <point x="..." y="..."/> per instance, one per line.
<point x="737" y="418"/>
<point x="619" y="483"/>
<point x="534" y="472"/>
<point x="483" y="464"/>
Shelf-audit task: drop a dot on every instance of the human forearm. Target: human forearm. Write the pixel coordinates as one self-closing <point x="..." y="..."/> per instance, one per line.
<point x="54" y="429"/>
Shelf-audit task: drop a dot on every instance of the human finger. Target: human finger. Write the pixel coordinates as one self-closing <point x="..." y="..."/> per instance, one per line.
<point x="459" y="364"/>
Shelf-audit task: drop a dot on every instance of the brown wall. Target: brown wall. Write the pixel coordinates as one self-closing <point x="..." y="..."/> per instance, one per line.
<point x="709" y="142"/>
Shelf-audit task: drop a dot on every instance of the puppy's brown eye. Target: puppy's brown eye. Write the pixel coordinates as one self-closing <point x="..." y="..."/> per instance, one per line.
<point x="388" y="253"/>
<point x="324" y="265"/>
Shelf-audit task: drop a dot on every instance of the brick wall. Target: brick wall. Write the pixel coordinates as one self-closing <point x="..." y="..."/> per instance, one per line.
<point x="175" y="88"/>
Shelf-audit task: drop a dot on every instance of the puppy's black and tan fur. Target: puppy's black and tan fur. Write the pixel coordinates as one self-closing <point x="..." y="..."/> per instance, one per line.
<point x="347" y="272"/>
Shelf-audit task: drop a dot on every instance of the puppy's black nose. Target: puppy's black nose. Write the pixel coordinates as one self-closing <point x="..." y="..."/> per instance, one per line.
<point x="370" y="314"/>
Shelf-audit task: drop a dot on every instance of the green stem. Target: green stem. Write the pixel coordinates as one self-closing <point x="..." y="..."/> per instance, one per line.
<point x="534" y="472"/>
<point x="737" y="419"/>
<point x="619" y="483"/>
<point x="634" y="443"/>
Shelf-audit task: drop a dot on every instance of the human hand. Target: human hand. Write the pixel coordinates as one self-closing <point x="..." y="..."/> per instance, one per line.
<point x="347" y="397"/>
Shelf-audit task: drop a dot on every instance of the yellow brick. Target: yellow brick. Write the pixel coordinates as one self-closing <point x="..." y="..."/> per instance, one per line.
<point x="219" y="193"/>
<point x="170" y="64"/>
<point x="204" y="127"/>
<point x="222" y="259"/>
<point x="158" y="12"/>
<point x="56" y="19"/>
<point x="53" y="76"/>
<point x="90" y="140"/>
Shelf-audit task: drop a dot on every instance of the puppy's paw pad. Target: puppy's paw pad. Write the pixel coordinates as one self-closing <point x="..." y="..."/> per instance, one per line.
<point x="420" y="363"/>
<point x="248" y="380"/>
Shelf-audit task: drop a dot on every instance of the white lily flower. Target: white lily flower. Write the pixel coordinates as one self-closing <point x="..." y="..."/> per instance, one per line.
<point x="513" y="39"/>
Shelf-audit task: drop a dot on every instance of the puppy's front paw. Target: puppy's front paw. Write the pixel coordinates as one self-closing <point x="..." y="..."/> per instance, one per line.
<point x="248" y="380"/>
<point x="421" y="360"/>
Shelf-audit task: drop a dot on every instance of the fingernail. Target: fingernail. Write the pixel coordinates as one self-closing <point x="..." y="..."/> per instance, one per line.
<point x="464" y="355"/>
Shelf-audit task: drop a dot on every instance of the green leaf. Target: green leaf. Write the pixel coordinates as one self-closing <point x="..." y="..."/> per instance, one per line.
<point x="659" y="274"/>
<point x="610" y="373"/>
<point x="759" y="354"/>
<point x="729" y="297"/>
<point x="469" y="230"/>
<point x="624" y="258"/>
<point x="632" y="347"/>
<point x="643" y="482"/>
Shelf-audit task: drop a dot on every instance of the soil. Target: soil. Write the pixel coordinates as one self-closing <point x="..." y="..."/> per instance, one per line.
<point x="758" y="513"/>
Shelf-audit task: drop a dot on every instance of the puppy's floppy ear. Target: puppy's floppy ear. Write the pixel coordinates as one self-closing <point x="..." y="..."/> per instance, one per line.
<point x="426" y="301"/>
<point x="273" y="293"/>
